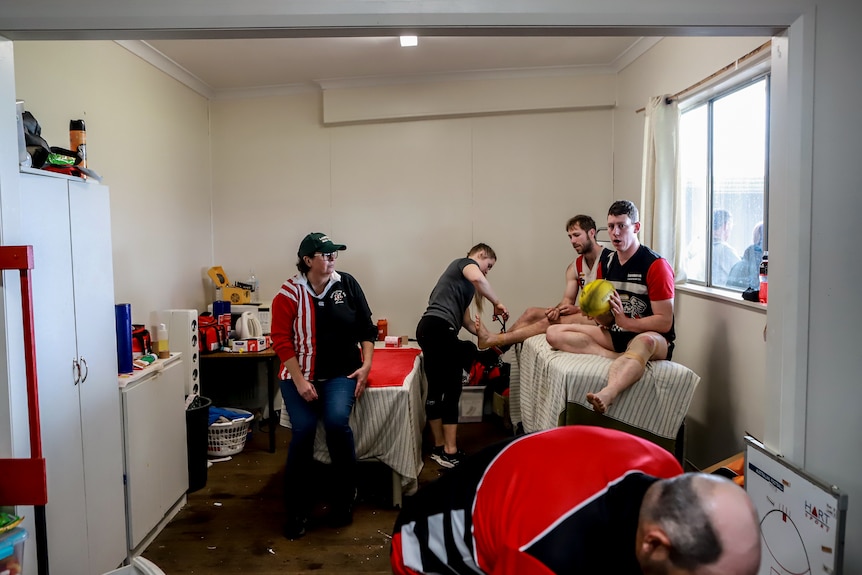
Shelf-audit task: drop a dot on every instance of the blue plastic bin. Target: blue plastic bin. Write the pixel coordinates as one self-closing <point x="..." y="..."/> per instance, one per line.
<point x="12" y="551"/>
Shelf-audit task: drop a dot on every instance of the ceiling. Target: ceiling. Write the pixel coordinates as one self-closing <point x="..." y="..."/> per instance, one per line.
<point x="230" y="66"/>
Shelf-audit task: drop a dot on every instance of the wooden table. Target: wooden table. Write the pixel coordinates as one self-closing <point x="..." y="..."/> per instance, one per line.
<point x="212" y="365"/>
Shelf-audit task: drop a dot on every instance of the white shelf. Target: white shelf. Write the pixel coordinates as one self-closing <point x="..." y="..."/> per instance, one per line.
<point x="158" y="365"/>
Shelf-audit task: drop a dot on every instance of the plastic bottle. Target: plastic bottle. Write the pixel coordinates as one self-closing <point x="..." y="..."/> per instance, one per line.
<point x="255" y="287"/>
<point x="78" y="140"/>
<point x="382" y="329"/>
<point x="764" y="278"/>
<point x="163" y="348"/>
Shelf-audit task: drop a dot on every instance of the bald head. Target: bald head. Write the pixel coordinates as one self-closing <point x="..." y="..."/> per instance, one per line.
<point x="698" y="524"/>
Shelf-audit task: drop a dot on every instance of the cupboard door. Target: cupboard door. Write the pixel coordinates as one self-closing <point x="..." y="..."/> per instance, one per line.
<point x="101" y="427"/>
<point x="143" y="438"/>
<point x="45" y="221"/>
<point x="175" y="474"/>
<point x="155" y="440"/>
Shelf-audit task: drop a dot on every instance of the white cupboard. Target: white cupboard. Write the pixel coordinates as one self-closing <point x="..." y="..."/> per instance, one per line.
<point x="154" y="431"/>
<point x="67" y="221"/>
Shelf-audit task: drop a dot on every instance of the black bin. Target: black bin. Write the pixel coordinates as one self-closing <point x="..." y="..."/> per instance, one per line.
<point x="197" y="431"/>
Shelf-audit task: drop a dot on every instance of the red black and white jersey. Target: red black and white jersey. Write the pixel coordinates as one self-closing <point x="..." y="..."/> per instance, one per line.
<point x="586" y="274"/>
<point x="646" y="277"/>
<point x="564" y="500"/>
<point x="321" y="331"/>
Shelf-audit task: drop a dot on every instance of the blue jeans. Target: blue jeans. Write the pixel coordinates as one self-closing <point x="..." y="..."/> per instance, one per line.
<point x="333" y="404"/>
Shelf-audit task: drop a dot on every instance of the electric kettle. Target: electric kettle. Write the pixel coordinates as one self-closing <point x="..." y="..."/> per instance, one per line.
<point x="248" y="326"/>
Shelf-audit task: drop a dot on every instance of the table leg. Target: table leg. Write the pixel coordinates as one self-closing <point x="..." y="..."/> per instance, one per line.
<point x="272" y="372"/>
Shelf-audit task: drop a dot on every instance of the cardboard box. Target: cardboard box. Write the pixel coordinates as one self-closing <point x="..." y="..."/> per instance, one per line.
<point x="500" y="407"/>
<point x="395" y="341"/>
<point x="231" y="293"/>
<point x="471" y="406"/>
<point x="250" y="344"/>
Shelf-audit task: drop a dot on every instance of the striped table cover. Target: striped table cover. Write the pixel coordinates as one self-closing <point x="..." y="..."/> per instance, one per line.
<point x="549" y="379"/>
<point x="387" y="425"/>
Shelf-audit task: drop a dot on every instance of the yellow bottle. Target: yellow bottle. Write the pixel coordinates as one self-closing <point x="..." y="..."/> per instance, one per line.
<point x="163" y="349"/>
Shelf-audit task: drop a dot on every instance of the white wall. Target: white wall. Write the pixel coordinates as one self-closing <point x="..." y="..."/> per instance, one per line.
<point x="148" y="137"/>
<point x="407" y="197"/>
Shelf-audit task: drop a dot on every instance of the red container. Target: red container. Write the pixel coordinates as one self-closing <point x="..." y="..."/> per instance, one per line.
<point x="382" y="329"/>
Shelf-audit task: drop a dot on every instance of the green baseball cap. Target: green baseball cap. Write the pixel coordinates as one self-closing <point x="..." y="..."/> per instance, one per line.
<point x="318" y="242"/>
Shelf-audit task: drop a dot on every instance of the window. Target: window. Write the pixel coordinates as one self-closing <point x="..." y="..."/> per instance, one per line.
<point x="724" y="174"/>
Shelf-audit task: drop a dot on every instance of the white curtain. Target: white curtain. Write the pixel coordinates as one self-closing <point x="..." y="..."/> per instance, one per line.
<point x="661" y="201"/>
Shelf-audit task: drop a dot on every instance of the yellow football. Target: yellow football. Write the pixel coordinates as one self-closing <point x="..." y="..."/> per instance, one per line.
<point x="595" y="298"/>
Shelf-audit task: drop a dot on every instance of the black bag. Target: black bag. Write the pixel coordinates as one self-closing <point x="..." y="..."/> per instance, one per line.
<point x="751" y="294"/>
<point x="37" y="146"/>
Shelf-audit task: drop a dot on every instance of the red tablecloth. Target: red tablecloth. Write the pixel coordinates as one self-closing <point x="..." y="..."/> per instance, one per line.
<point x="390" y="366"/>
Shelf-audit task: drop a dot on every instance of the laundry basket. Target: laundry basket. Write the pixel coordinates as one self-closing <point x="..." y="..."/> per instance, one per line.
<point x="228" y="438"/>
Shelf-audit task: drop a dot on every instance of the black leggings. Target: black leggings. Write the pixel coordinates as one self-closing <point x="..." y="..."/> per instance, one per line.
<point x="445" y="359"/>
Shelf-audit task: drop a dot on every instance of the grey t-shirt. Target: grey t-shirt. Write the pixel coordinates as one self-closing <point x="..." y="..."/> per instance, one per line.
<point x="452" y="295"/>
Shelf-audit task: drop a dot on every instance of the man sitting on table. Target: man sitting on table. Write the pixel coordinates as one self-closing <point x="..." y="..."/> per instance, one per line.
<point x="640" y="327"/>
<point x="576" y="499"/>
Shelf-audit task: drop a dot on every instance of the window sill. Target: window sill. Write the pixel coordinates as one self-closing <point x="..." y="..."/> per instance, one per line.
<point x="721" y="295"/>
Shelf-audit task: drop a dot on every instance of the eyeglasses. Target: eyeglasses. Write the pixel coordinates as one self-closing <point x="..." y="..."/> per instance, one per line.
<point x="330" y="257"/>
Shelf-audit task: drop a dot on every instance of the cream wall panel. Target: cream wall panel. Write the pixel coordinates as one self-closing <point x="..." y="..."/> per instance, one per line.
<point x="401" y="196"/>
<point x="723" y="343"/>
<point x="532" y="173"/>
<point x="148" y="136"/>
<point x="271" y="185"/>
<point x="452" y="98"/>
<point x="407" y="197"/>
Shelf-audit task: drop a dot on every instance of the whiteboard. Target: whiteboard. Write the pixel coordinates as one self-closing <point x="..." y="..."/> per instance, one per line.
<point x="801" y="518"/>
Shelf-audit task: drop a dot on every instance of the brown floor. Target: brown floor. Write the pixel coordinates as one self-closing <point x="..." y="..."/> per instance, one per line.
<point x="233" y="524"/>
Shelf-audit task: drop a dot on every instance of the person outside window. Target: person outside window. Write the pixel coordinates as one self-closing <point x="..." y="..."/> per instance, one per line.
<point x="724" y="257"/>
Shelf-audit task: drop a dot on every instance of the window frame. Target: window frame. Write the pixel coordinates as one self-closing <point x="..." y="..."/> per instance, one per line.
<point x="723" y="86"/>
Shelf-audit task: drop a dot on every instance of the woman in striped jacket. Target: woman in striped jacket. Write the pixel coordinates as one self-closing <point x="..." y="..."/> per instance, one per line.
<point x="324" y="336"/>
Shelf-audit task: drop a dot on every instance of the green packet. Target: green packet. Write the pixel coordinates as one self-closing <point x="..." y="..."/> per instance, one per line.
<point x="60" y="159"/>
<point x="9" y="521"/>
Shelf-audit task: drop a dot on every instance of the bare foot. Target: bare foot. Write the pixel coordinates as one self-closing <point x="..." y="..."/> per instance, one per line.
<point x="601" y="401"/>
<point x="486" y="339"/>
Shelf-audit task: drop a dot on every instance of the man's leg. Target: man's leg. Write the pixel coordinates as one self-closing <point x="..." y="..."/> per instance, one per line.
<point x="487" y="339"/>
<point x="628" y="368"/>
<point x="531" y="315"/>
<point x="579" y="338"/>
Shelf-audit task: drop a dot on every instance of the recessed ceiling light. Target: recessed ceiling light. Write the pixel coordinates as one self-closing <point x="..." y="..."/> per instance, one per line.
<point x="407" y="41"/>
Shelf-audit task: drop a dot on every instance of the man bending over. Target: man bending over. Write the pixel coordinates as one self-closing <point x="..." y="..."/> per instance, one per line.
<point x="639" y="327"/>
<point x="581" y="230"/>
<point x="576" y="499"/>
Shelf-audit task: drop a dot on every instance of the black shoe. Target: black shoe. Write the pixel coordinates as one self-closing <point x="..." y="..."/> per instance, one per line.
<point x="437" y="453"/>
<point x="451" y="460"/>
<point x="295" y="527"/>
<point x="342" y="515"/>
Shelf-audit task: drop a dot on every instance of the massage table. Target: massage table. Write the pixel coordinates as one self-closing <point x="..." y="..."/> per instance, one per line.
<point x="551" y="389"/>
<point x="388" y="419"/>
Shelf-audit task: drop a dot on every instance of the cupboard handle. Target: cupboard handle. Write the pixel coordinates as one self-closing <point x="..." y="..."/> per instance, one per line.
<point x="86" y="369"/>
<point x="76" y="371"/>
